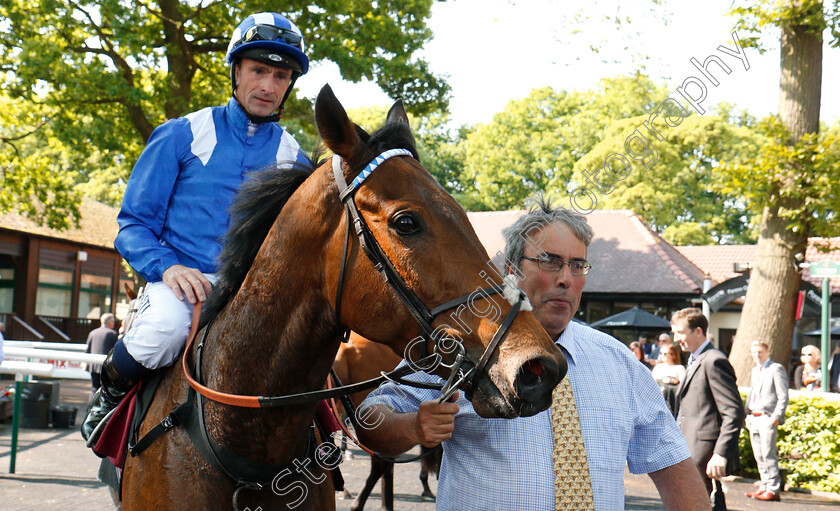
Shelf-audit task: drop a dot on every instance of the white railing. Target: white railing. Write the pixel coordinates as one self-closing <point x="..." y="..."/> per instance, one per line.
<point x="32" y="360"/>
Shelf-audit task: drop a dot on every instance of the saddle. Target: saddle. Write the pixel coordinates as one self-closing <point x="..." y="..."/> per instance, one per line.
<point x="120" y="438"/>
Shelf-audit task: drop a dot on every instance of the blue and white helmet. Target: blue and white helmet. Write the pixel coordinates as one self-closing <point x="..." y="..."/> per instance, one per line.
<point x="272" y="32"/>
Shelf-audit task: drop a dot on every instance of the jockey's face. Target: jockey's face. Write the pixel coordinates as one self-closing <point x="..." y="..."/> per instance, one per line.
<point x="260" y="87"/>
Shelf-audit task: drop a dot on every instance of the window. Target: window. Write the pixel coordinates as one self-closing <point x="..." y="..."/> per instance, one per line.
<point x="55" y="291"/>
<point x="7" y="286"/>
<point x="94" y="295"/>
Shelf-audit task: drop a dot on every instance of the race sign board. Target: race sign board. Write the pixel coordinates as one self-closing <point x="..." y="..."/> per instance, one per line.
<point x="825" y="269"/>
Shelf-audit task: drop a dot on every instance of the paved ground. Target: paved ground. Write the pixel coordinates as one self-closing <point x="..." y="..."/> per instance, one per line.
<point x="54" y="471"/>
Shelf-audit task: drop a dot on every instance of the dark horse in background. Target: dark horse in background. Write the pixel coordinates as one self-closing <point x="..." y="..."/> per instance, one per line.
<point x="361" y="359"/>
<point x="276" y="330"/>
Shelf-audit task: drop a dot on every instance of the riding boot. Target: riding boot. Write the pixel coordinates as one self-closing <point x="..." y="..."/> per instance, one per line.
<point x="111" y="392"/>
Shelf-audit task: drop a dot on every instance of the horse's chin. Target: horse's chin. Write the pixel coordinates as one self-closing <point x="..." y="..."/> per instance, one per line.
<point x="489" y="402"/>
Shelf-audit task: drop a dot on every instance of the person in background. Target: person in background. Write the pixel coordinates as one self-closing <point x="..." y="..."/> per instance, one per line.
<point x="669" y="373"/>
<point x="766" y="404"/>
<point x="647" y="348"/>
<point x="834" y="370"/>
<point x="808" y="376"/>
<point x="636" y="348"/>
<point x="661" y="341"/>
<point x="669" y="370"/>
<point x="101" y="341"/>
<point x="709" y="408"/>
<point x="2" y="356"/>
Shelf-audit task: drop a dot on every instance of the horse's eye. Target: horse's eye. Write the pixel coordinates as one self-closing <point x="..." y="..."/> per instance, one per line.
<point x="406" y="224"/>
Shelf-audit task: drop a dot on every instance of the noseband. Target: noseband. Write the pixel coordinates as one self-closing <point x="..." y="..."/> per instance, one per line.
<point x="421" y="314"/>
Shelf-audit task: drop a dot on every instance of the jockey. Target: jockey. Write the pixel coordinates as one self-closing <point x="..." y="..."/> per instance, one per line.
<point x="175" y="208"/>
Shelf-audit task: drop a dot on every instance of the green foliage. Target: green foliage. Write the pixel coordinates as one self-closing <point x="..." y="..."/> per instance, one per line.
<point x="535" y="142"/>
<point x="808" y="447"/>
<point x="804" y="174"/>
<point x="754" y="18"/>
<point x="688" y="233"/>
<point x="36" y="169"/>
<point x="674" y="187"/>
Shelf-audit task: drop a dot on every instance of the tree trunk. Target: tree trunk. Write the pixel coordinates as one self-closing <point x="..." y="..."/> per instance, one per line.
<point x="768" y="312"/>
<point x="770" y="304"/>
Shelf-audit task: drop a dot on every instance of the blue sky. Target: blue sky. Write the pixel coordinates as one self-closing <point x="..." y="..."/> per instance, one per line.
<point x="494" y="51"/>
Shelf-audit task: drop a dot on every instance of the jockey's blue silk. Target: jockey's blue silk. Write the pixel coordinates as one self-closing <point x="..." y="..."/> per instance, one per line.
<point x="506" y="464"/>
<point x="175" y="208"/>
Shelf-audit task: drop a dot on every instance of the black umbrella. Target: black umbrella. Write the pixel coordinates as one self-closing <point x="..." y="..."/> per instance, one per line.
<point x="633" y="318"/>
<point x="834" y="331"/>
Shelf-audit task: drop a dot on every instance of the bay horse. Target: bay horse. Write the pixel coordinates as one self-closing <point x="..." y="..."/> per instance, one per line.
<point x="358" y="360"/>
<point x="293" y="279"/>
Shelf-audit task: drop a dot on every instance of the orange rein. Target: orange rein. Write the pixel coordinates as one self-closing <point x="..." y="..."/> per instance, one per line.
<point x="334" y="410"/>
<point x="220" y="397"/>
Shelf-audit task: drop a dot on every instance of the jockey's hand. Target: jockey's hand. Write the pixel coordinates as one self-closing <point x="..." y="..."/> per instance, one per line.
<point x="435" y="421"/>
<point x="187" y="282"/>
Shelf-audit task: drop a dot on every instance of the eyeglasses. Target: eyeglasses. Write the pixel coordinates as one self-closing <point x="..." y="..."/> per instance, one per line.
<point x="272" y="33"/>
<point x="578" y="267"/>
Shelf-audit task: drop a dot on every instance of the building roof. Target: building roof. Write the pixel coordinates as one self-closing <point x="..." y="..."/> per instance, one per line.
<point x="719" y="260"/>
<point x="626" y="255"/>
<point x="98" y="225"/>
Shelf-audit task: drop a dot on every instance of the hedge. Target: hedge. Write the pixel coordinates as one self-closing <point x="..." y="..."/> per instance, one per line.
<point x="809" y="453"/>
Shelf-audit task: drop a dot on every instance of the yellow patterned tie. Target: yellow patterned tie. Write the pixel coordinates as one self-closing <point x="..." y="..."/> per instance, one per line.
<point x="572" y="487"/>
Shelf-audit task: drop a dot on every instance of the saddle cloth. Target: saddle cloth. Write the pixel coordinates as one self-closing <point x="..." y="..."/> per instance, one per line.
<point x="113" y="442"/>
<point x="572" y="485"/>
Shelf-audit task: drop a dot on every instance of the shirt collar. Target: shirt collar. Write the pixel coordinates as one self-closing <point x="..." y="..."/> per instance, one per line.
<point x="699" y="350"/>
<point x="567" y="340"/>
<point x="237" y="117"/>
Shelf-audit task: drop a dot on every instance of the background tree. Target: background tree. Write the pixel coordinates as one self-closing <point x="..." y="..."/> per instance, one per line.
<point x="36" y="165"/>
<point x="794" y="174"/>
<point x="109" y="71"/>
<point x="677" y="189"/>
<point x="533" y="143"/>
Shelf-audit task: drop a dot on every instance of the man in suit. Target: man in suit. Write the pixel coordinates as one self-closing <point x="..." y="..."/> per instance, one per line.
<point x="834" y="372"/>
<point x="100" y="341"/>
<point x="766" y="405"/>
<point x="709" y="409"/>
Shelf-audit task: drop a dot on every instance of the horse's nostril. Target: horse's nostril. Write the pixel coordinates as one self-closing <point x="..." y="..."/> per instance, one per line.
<point x="535" y="378"/>
<point x="534" y="367"/>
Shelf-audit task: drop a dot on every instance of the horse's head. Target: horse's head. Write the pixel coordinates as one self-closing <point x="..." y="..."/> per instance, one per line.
<point x="427" y="237"/>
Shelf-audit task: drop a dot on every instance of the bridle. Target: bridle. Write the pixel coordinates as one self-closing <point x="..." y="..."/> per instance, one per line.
<point x="442" y="343"/>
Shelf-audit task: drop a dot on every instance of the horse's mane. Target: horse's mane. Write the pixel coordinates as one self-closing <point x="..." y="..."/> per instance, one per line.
<point x="261" y="198"/>
<point x="253" y="211"/>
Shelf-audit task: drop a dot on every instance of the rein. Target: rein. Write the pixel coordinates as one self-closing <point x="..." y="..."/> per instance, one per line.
<point x="243" y="401"/>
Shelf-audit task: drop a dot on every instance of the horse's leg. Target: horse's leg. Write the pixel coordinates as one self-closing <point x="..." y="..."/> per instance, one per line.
<point x="387" y="486"/>
<point x="375" y="474"/>
<point x="427" y="464"/>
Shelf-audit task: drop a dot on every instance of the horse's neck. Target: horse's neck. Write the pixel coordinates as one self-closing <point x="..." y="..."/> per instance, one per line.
<point x="277" y="336"/>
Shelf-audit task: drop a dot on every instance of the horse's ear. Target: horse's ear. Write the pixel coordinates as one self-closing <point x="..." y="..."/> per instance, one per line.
<point x="397" y="113"/>
<point x="335" y="128"/>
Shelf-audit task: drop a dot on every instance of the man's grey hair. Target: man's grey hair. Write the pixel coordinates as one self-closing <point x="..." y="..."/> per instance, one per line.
<point x="541" y="213"/>
<point x="107" y="318"/>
